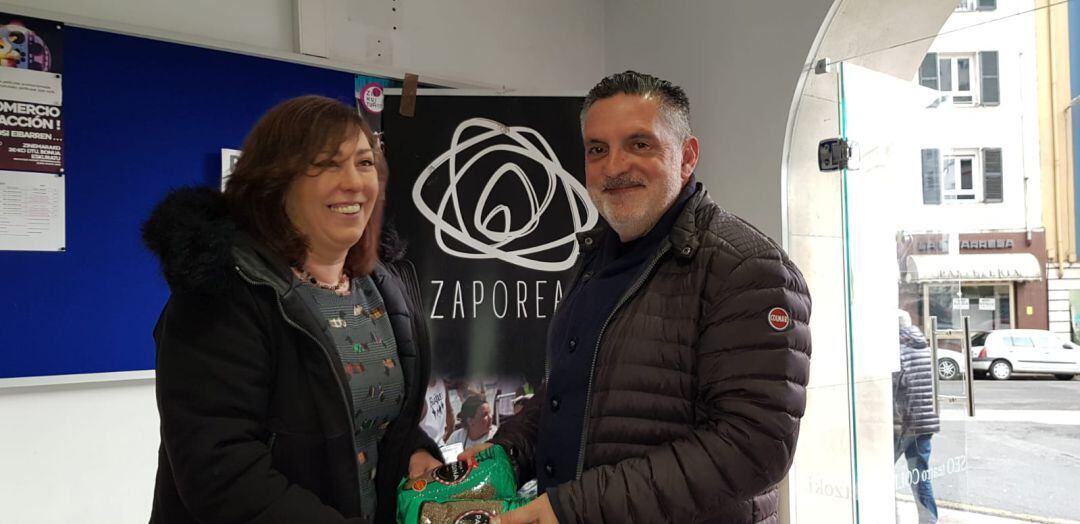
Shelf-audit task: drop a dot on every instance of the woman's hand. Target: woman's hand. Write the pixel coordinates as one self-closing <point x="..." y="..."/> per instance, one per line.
<point x="470" y="453"/>
<point x="421" y="462"/>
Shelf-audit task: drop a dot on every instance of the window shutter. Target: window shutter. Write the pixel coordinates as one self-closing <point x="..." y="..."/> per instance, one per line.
<point x="988" y="68"/>
<point x="928" y="71"/>
<point x="931" y="176"/>
<point x="993" y="186"/>
<point x="987" y="5"/>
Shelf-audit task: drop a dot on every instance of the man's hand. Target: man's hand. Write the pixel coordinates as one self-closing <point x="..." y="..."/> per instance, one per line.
<point x="536" y="512"/>
<point x="470" y="453"/>
<point x="421" y="462"/>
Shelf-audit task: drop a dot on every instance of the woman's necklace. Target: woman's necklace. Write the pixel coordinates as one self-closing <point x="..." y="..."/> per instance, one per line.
<point x="341" y="287"/>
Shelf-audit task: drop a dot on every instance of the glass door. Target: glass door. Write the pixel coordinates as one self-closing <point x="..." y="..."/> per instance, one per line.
<point x="938" y="259"/>
<point x="935" y="300"/>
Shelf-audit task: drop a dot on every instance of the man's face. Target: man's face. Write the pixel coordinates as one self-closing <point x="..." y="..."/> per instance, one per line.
<point x="635" y="166"/>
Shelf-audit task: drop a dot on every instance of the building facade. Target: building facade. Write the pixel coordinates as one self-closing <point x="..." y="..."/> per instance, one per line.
<point x="972" y="241"/>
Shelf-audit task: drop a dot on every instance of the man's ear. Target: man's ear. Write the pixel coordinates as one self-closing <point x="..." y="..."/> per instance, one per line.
<point x="689" y="157"/>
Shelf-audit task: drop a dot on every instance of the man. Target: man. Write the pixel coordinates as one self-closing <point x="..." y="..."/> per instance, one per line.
<point x="679" y="356"/>
<point x="914" y="419"/>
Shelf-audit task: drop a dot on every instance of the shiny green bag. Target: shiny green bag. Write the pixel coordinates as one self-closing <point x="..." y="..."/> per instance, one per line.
<point x="466" y="511"/>
<point x="489" y="478"/>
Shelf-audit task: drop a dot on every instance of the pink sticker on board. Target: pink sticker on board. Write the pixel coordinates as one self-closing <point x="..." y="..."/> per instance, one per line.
<point x="371" y="98"/>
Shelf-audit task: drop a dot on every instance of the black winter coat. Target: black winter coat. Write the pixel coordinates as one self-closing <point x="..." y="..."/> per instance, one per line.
<point x="255" y="411"/>
<point x="913" y="387"/>
<point x="694" y="408"/>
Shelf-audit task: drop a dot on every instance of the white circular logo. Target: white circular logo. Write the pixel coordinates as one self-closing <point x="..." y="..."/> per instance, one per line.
<point x="489" y="235"/>
<point x="371" y="97"/>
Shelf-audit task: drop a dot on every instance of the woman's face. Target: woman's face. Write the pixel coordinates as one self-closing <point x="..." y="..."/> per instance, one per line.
<point x="480" y="423"/>
<point x="332" y="202"/>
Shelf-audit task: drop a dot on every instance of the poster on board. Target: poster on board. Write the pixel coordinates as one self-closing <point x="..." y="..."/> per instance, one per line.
<point x="229" y="158"/>
<point x="488" y="192"/>
<point x="31" y="212"/>
<point x="31" y="97"/>
<point x="31" y="134"/>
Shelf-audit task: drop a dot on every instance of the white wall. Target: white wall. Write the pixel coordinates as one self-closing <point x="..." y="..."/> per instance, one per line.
<point x="266" y="24"/>
<point x="525" y="45"/>
<point x="739" y="62"/>
<point x="78" y="453"/>
<point x="1011" y="126"/>
<point x="555" y="45"/>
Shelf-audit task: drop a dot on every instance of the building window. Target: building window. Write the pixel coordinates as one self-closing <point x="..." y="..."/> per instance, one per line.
<point x="958" y="177"/>
<point x="965" y="79"/>
<point x="976" y="5"/>
<point x="962" y="175"/>
<point x="955" y="78"/>
<point x="988" y="305"/>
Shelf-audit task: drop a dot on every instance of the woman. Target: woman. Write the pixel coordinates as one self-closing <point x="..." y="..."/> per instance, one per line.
<point x="476" y="423"/>
<point x="291" y="363"/>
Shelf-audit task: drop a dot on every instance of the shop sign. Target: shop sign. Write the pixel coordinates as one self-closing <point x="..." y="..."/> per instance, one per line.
<point x="992" y="243"/>
<point x="961" y="303"/>
<point x="932" y="246"/>
<point x="990" y="273"/>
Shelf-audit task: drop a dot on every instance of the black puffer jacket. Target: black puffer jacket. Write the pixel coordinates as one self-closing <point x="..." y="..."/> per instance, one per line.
<point x="696" y="399"/>
<point x="255" y="417"/>
<point x="913" y="387"/>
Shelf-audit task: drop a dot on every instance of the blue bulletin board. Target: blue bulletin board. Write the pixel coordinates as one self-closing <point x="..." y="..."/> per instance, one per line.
<point x="140" y="117"/>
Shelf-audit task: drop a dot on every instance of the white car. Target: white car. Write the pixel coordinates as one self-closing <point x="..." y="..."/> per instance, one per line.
<point x="950" y="364"/>
<point x="1006" y="351"/>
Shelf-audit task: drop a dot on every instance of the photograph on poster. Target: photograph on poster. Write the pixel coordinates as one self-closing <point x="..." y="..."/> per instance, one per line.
<point x="31" y="59"/>
<point x="31" y="118"/>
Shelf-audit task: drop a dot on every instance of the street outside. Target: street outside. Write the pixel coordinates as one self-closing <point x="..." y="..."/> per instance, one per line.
<point x="1018" y="458"/>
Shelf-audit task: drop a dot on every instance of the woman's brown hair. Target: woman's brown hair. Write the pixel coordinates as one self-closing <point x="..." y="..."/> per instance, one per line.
<point x="282" y="146"/>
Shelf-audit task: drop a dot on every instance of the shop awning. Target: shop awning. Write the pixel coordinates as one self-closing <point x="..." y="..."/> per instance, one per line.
<point x="973" y="268"/>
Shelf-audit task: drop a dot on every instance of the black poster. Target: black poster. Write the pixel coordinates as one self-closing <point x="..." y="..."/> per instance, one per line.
<point x="488" y="192"/>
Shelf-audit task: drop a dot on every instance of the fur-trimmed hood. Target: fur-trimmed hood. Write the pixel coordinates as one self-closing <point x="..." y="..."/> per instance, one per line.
<point x="193" y="236"/>
<point x="200" y="245"/>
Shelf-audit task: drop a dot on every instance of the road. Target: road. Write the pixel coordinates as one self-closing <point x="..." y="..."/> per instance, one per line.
<point x="1019" y="456"/>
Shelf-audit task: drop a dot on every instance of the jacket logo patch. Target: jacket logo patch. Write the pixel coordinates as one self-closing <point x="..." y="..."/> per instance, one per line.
<point x="779" y="319"/>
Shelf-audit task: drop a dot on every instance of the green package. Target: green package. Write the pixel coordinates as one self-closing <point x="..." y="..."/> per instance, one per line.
<point x="489" y="477"/>
<point x="466" y="511"/>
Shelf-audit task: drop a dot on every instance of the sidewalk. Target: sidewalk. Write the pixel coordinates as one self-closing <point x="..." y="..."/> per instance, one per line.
<point x="951" y="513"/>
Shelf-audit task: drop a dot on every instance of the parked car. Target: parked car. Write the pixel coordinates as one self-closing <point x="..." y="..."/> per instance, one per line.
<point x="1003" y="352"/>
<point x="950" y="364"/>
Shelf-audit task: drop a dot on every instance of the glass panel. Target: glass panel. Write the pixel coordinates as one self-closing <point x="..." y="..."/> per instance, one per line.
<point x="949" y="174"/>
<point x="876" y="297"/>
<point x="822" y="472"/>
<point x="967" y="5"/>
<point x="963" y="74"/>
<point x="949" y="263"/>
<point x="1023" y="342"/>
<point x="945" y="72"/>
<point x="965" y="174"/>
<point x="979" y="339"/>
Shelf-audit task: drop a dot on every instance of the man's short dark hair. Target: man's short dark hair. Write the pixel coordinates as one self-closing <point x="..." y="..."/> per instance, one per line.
<point x="674" y="104"/>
